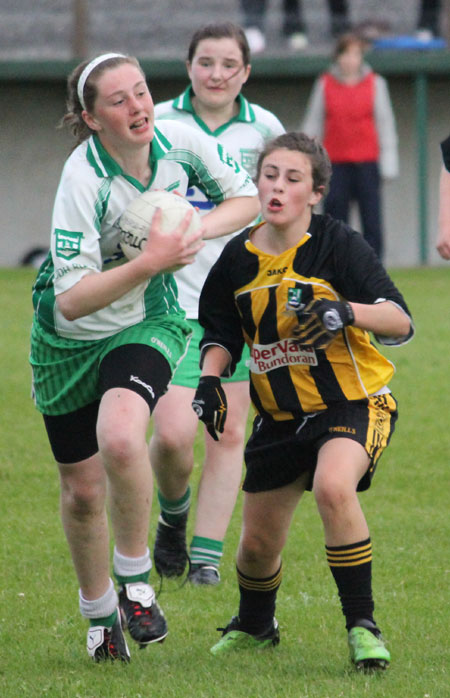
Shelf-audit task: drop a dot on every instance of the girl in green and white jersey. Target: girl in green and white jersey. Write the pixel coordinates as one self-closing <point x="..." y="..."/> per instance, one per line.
<point x="218" y="66"/>
<point x="108" y="333"/>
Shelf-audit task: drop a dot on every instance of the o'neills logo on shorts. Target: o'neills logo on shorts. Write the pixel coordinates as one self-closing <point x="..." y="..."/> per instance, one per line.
<point x="285" y="352"/>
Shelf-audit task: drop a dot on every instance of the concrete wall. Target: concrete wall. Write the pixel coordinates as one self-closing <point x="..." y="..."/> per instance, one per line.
<point x="33" y="152"/>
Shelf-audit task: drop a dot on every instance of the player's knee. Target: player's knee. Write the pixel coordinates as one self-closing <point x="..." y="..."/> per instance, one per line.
<point x="256" y="548"/>
<point x="83" y="498"/>
<point x="234" y="433"/>
<point x="332" y="496"/>
<point x="169" y="441"/>
<point x="122" y="447"/>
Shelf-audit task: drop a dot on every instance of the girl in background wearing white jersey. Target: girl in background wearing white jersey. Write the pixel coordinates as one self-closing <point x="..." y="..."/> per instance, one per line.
<point x="107" y="333"/>
<point x="218" y="66"/>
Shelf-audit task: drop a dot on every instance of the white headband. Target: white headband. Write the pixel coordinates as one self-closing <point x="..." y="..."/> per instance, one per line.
<point x="88" y="70"/>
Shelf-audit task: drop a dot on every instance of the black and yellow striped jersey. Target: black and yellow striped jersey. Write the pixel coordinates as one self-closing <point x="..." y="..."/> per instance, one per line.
<point x="244" y="299"/>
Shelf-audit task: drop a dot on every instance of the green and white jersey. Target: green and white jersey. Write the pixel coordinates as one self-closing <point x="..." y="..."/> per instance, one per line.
<point x="92" y="194"/>
<point x="243" y="137"/>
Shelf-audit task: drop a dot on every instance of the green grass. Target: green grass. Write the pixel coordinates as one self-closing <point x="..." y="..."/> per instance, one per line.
<point x="42" y="636"/>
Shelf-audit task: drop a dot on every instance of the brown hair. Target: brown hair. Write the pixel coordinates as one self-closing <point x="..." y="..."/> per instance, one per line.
<point x="300" y="142"/>
<point x="72" y="118"/>
<point x="347" y="40"/>
<point x="220" y="30"/>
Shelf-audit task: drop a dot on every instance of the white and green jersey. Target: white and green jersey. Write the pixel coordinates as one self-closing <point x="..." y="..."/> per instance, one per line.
<point x="243" y="137"/>
<point x="92" y="194"/>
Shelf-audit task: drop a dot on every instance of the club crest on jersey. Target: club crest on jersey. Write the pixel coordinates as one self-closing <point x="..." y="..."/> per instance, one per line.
<point x="248" y="159"/>
<point x="68" y="243"/>
<point x="294" y="296"/>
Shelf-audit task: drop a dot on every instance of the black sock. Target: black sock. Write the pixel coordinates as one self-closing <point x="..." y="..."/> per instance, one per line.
<point x="257" y="604"/>
<point x="351" y="566"/>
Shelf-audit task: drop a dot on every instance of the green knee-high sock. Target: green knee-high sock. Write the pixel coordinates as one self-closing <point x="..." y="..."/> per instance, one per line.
<point x="174" y="510"/>
<point x="206" y="551"/>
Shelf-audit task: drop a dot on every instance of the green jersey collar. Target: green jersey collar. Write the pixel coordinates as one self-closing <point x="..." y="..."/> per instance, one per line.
<point x="184" y="103"/>
<point x="99" y="158"/>
<point x="105" y="165"/>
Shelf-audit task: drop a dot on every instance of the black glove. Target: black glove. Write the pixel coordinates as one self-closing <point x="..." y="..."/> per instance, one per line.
<point x="321" y="321"/>
<point x="210" y="405"/>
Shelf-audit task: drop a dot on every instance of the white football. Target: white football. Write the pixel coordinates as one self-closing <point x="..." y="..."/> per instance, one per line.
<point x="136" y="220"/>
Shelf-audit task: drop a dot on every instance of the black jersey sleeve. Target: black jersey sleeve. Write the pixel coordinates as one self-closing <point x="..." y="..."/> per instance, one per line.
<point x="445" y="149"/>
<point x="362" y="278"/>
<point x="218" y="314"/>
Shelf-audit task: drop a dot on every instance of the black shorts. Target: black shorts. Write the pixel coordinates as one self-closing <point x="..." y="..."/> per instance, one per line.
<point x="277" y="453"/>
<point x="137" y="367"/>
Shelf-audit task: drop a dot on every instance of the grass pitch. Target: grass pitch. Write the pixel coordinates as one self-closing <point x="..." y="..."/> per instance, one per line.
<point x="42" y="636"/>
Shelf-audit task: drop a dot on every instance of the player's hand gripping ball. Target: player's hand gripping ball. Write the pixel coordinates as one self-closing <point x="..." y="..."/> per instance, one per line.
<point x="136" y="220"/>
<point x="321" y="321"/>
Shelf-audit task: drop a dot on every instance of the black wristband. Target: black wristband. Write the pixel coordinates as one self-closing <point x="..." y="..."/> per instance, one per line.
<point x="350" y="315"/>
<point x="210" y="380"/>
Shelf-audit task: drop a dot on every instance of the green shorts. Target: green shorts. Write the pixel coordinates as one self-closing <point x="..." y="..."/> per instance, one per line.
<point x="65" y="371"/>
<point x="188" y="370"/>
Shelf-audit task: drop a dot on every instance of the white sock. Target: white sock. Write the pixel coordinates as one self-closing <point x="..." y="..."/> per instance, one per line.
<point x="131" y="566"/>
<point x="102" y="607"/>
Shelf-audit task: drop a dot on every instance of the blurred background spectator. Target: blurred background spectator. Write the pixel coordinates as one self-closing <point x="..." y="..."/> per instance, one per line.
<point x="51" y="29"/>
<point x="350" y="111"/>
<point x="443" y="239"/>
<point x="293" y="26"/>
<point x="428" y="24"/>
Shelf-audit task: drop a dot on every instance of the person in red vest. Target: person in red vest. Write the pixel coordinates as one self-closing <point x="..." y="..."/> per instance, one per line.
<point x="350" y="111"/>
<point x="443" y="240"/>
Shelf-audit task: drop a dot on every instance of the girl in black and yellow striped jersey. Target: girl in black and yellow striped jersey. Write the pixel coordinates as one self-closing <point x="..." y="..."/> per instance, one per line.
<point x="303" y="291"/>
